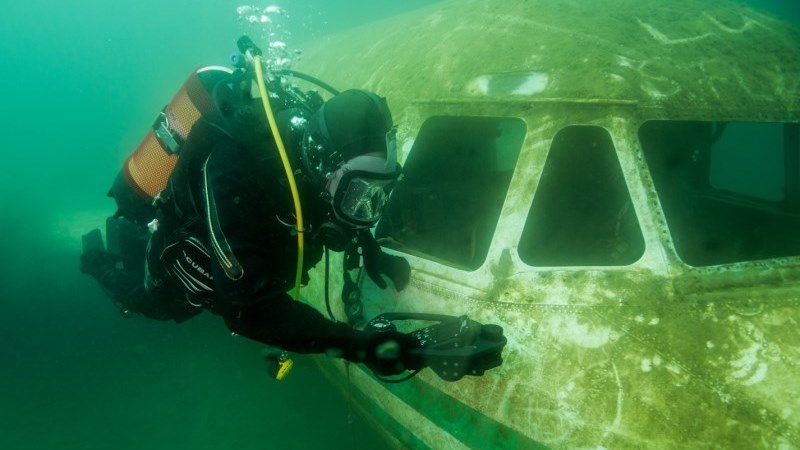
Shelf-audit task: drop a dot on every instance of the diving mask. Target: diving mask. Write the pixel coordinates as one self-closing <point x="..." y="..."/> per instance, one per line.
<point x="360" y="189"/>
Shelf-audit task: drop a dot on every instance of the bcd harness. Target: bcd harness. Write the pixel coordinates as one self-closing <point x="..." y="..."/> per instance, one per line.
<point x="142" y="188"/>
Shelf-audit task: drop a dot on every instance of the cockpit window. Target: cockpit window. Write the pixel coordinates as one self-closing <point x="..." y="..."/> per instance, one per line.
<point x="730" y="191"/>
<point x="454" y="183"/>
<point x="582" y="213"/>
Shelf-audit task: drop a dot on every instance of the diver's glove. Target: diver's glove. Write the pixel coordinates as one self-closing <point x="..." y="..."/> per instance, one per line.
<point x="388" y="352"/>
<point x="97" y="263"/>
<point x="95" y="260"/>
<point x="378" y="263"/>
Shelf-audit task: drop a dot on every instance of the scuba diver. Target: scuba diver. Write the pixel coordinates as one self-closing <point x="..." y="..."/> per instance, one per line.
<point x="209" y="211"/>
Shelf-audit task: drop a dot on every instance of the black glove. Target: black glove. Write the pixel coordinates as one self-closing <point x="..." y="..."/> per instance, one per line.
<point x="378" y="263"/>
<point x="96" y="262"/>
<point x="387" y="352"/>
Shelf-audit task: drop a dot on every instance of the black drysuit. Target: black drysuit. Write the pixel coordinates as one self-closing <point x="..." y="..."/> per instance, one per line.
<point x="228" y="200"/>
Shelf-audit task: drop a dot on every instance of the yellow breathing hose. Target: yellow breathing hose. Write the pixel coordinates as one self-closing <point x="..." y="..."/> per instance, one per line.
<point x="287" y="167"/>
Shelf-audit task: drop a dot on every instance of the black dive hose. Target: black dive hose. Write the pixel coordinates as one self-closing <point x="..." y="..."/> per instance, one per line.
<point x="309" y="78"/>
<point x="327" y="284"/>
<point x="248" y="47"/>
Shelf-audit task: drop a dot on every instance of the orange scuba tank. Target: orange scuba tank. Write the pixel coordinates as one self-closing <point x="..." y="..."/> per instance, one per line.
<point x="149" y="167"/>
<point x="146" y="171"/>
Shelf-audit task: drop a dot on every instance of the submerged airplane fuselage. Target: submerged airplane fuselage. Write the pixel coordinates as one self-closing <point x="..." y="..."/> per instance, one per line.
<point x="617" y="184"/>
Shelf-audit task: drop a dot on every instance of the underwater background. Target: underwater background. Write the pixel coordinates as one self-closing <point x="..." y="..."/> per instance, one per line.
<point x="82" y="81"/>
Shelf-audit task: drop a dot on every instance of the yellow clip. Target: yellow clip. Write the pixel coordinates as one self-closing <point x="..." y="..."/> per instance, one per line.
<point x="285" y="365"/>
<point x="278" y="363"/>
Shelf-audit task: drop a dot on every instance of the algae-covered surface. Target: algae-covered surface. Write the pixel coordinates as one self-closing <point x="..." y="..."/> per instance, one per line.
<point x="630" y="359"/>
<point x="704" y="54"/>
<point x="654" y="354"/>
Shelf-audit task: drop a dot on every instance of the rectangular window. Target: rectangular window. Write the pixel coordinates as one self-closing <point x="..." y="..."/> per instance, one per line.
<point x="730" y="190"/>
<point x="582" y="213"/>
<point x="747" y="159"/>
<point x="454" y="184"/>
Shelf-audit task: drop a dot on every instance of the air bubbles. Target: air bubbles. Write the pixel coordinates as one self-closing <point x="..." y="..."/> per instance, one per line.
<point x="256" y="15"/>
<point x="246" y="11"/>
<point x="281" y="63"/>
<point x="270" y="25"/>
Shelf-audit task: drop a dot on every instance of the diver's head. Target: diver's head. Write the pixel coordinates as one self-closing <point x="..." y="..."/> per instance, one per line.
<point x="350" y="153"/>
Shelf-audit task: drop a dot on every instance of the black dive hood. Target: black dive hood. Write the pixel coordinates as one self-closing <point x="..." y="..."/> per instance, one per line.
<point x="352" y="123"/>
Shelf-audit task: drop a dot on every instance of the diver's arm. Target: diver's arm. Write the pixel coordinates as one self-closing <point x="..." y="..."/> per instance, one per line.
<point x="254" y="263"/>
<point x="295" y="326"/>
